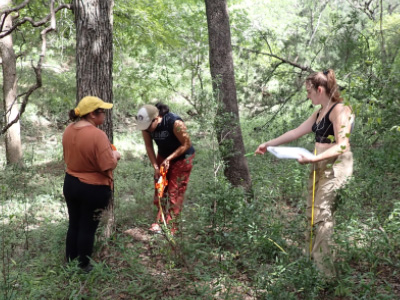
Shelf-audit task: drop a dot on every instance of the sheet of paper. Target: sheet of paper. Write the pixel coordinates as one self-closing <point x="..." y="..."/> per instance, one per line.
<point x="290" y="152"/>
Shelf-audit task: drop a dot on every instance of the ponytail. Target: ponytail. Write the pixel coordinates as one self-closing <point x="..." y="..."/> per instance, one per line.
<point x="163" y="109"/>
<point x="327" y="80"/>
<point x="72" y="116"/>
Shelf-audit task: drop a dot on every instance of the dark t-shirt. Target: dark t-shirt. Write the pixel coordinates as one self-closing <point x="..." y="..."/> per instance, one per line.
<point x="165" y="138"/>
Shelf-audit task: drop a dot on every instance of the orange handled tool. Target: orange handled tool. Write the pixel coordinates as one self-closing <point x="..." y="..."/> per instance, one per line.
<point x="160" y="187"/>
<point x="162" y="182"/>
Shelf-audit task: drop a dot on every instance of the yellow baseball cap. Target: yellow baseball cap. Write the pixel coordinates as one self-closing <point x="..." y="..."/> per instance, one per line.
<point x="89" y="104"/>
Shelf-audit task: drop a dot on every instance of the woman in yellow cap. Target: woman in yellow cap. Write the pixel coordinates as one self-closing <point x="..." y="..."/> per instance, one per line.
<point x="90" y="159"/>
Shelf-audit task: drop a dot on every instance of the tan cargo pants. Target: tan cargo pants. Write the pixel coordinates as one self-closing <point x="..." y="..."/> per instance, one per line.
<point x="330" y="175"/>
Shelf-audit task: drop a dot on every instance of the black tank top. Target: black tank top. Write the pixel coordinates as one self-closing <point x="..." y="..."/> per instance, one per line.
<point x="324" y="128"/>
<point x="165" y="138"/>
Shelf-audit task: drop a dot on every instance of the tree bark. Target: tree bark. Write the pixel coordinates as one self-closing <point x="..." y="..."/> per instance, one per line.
<point x="94" y="53"/>
<point x="222" y="72"/>
<point x="12" y="136"/>
<point x="94" y="62"/>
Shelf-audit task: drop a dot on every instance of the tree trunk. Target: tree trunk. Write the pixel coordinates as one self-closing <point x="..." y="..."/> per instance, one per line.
<point x="222" y="73"/>
<point x="94" y="63"/>
<point x="94" y="52"/>
<point x="12" y="136"/>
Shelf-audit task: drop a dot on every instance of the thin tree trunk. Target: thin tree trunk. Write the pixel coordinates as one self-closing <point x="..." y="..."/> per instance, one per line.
<point x="12" y="136"/>
<point x="94" y="62"/>
<point x="222" y="72"/>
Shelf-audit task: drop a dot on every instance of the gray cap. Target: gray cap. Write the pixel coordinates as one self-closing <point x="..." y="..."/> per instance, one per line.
<point x="146" y="114"/>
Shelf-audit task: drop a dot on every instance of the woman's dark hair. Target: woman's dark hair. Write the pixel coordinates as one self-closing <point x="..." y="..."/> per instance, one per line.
<point x="72" y="116"/>
<point x="327" y="80"/>
<point x="163" y="109"/>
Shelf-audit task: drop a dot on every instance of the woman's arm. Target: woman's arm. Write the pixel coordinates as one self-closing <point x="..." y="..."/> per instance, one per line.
<point x="289" y="136"/>
<point x="116" y="155"/>
<point x="106" y="157"/>
<point x="341" y="121"/>
<point x="148" y="142"/>
<point x="180" y="131"/>
<point x="113" y="165"/>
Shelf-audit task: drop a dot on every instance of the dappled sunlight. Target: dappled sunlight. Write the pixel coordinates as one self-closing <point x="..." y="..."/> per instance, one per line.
<point x="229" y="244"/>
<point x="36" y="211"/>
<point x="130" y="144"/>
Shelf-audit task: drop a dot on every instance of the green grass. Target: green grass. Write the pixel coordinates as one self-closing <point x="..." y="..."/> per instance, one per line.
<point x="241" y="250"/>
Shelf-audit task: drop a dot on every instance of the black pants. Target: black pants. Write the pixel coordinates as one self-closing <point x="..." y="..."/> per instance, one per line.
<point x="85" y="204"/>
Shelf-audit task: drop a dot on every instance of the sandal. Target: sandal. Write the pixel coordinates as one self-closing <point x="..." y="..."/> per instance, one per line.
<point x="155" y="228"/>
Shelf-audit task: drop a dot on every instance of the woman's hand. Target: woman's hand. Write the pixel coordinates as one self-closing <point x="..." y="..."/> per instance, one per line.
<point x="262" y="148"/>
<point x="156" y="173"/>
<point x="165" y="164"/>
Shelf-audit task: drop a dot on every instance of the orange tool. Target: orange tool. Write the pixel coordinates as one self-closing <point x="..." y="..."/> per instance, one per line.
<point x="160" y="187"/>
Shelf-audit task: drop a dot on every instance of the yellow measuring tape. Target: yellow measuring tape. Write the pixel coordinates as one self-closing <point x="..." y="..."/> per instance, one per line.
<point x="312" y="207"/>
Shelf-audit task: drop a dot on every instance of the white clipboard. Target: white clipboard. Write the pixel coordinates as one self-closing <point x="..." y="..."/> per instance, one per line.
<point x="289" y="152"/>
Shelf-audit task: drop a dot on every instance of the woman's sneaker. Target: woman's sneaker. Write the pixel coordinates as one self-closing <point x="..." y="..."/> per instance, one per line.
<point x="155" y="228"/>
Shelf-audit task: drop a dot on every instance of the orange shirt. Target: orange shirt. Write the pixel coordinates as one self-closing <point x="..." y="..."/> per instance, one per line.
<point x="88" y="155"/>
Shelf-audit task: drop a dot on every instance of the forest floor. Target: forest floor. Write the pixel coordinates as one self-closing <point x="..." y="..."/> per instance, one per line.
<point x="172" y="279"/>
<point x="164" y="263"/>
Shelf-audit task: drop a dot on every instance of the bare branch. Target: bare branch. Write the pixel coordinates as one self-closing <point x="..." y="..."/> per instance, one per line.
<point x="381" y="32"/>
<point x="303" y="68"/>
<point x="15" y="9"/>
<point x="37" y="85"/>
<point x="285" y="101"/>
<point x="6" y="12"/>
<point x="391" y="8"/>
<point x="37" y="69"/>
<point x="33" y="23"/>
<point x="265" y="38"/>
<point x="365" y="7"/>
<point x="319" y="19"/>
<point x="186" y="97"/>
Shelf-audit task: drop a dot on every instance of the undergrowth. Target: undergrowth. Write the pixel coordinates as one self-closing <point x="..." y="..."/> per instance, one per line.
<point x="228" y="247"/>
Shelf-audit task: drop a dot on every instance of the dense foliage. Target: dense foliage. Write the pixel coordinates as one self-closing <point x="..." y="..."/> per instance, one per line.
<point x="228" y="248"/>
